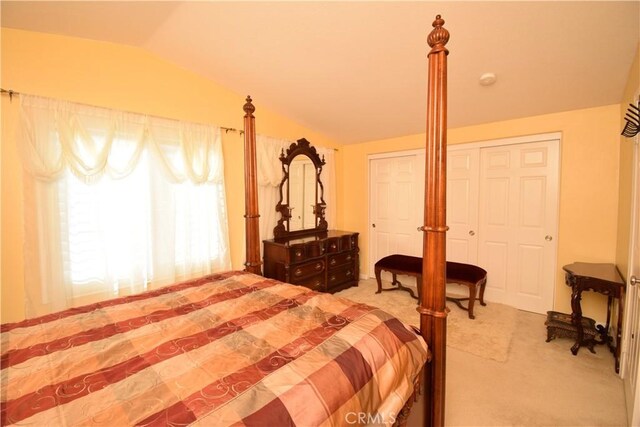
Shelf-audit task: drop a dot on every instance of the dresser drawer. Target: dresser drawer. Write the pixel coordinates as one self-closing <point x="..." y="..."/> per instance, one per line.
<point x="306" y="251"/>
<point x="297" y="253"/>
<point x="333" y="245"/>
<point x="349" y="242"/>
<point x="341" y="259"/>
<point x="315" y="283"/>
<point x="341" y="275"/>
<point x="314" y="249"/>
<point x="300" y="271"/>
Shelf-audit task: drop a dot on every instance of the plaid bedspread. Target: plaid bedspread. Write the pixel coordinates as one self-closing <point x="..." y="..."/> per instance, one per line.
<point x="226" y="349"/>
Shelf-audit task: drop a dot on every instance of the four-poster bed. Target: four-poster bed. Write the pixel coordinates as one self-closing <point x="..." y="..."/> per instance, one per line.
<point x="235" y="348"/>
<point x="432" y="302"/>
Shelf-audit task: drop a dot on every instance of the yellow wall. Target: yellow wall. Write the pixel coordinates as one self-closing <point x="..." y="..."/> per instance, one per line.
<point x="588" y="185"/>
<point x="124" y="78"/>
<point x="626" y="169"/>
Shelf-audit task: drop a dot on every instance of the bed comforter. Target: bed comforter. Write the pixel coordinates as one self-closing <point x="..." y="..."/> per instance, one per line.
<point x="226" y="349"/>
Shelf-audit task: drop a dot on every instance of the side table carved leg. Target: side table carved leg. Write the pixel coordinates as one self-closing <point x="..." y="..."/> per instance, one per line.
<point x="576" y="317"/>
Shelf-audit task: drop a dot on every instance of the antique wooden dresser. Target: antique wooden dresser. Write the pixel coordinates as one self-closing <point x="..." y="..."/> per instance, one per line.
<point x="325" y="261"/>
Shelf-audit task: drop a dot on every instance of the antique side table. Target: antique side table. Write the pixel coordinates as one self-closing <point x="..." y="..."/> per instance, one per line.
<point x="604" y="279"/>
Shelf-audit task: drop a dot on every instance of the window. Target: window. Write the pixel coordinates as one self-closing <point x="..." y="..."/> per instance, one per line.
<point x="117" y="203"/>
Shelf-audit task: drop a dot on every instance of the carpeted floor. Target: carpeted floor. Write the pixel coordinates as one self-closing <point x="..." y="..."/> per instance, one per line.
<point x="487" y="336"/>
<point x="537" y="384"/>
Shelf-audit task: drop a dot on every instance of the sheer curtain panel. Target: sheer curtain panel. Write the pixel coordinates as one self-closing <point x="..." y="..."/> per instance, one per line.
<point x="116" y="203"/>
<point x="269" y="178"/>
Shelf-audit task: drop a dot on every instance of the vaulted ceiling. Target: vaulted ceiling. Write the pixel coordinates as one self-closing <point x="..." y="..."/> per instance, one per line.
<point x="356" y="71"/>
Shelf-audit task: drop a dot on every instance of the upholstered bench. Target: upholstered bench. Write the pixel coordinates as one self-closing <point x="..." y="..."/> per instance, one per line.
<point x="471" y="276"/>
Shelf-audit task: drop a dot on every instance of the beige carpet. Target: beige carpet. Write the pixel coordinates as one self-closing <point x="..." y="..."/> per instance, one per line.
<point x="487" y="336"/>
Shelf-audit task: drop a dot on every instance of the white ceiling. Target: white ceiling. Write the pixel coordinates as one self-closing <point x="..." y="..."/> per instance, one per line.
<point x="356" y="71"/>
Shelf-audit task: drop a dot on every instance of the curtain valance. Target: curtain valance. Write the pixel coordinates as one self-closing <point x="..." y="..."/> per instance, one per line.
<point x="91" y="141"/>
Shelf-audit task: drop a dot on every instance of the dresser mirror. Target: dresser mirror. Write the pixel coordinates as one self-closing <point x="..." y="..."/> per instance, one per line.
<point x="301" y="204"/>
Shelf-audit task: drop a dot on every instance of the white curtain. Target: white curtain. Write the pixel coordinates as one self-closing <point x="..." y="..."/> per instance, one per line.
<point x="270" y="175"/>
<point x="116" y="203"/>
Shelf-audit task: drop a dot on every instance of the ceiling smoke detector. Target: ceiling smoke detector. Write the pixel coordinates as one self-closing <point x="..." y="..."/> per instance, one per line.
<point x="487" y="79"/>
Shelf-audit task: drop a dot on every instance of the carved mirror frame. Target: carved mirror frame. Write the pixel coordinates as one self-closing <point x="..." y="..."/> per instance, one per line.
<point x="282" y="229"/>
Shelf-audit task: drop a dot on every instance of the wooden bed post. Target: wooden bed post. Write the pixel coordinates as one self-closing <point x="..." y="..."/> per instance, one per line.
<point x="432" y="306"/>
<point x="252" y="215"/>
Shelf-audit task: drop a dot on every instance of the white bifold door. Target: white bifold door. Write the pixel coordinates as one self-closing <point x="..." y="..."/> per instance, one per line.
<point x="502" y="213"/>
<point x="502" y="210"/>
<point x="396" y="205"/>
<point x="463" y="184"/>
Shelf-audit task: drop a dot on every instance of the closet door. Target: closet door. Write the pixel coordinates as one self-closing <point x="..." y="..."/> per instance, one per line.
<point x="396" y="205"/>
<point x="518" y="222"/>
<point x="462" y="204"/>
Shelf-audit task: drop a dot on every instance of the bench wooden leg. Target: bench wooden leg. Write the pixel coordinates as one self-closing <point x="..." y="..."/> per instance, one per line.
<point x="473" y="295"/>
<point x="472" y="299"/>
<point x="396" y="285"/>
<point x="482" y="286"/>
<point x="379" y="280"/>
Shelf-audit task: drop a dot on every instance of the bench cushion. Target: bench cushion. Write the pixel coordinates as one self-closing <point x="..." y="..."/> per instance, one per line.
<point x="465" y="272"/>
<point x="412" y="264"/>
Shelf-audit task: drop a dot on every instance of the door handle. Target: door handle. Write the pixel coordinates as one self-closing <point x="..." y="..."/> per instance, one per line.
<point x="548" y="238"/>
<point x="472" y="233"/>
<point x="634" y="281"/>
<point x="373" y="225"/>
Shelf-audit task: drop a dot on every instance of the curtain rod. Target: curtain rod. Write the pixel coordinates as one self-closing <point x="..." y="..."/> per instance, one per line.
<point x="13" y="93"/>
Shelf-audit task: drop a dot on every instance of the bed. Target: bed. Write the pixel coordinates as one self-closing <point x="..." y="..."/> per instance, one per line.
<point x="235" y="348"/>
<point x="219" y="350"/>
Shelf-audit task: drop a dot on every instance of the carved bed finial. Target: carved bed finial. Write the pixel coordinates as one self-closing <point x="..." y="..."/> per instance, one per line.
<point x="249" y="107"/>
<point x="439" y="36"/>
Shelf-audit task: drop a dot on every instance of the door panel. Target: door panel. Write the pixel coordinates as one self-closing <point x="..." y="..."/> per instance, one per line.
<point x="518" y="222"/>
<point x="462" y="205"/>
<point x="494" y="260"/>
<point x="630" y="343"/>
<point x="530" y="260"/>
<point x="396" y="207"/>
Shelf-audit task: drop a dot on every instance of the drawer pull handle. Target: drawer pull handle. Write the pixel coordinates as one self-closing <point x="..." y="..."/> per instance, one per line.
<point x="298" y="254"/>
<point x="349" y="273"/>
<point x="298" y="272"/>
<point x="333" y="278"/>
<point x="318" y="266"/>
<point x="348" y="257"/>
<point x="333" y="261"/>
